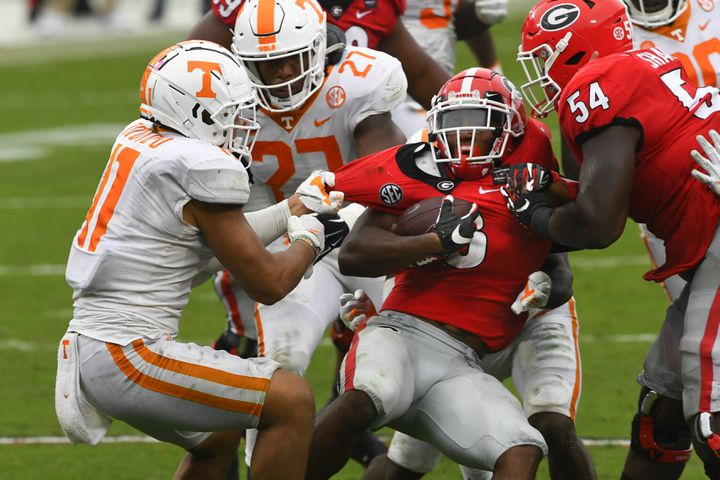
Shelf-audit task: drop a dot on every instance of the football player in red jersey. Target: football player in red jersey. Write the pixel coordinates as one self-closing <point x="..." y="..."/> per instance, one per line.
<point x="416" y="366"/>
<point x="631" y="118"/>
<point x="366" y="23"/>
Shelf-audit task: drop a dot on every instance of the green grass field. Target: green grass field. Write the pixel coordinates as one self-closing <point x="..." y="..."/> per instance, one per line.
<point x="61" y="109"/>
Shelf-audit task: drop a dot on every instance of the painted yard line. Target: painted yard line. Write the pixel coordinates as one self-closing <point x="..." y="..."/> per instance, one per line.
<point x="46" y="270"/>
<point x="34" y="144"/>
<point x="57" y="440"/>
<point x="22" y="203"/>
<point x="610" y="262"/>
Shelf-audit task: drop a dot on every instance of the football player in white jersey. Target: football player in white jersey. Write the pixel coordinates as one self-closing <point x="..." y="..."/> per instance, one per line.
<point x="168" y="204"/>
<point x="319" y="110"/>
<point x="689" y="30"/>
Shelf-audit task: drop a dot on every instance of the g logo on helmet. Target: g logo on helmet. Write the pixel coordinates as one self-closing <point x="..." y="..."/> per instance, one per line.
<point x="391" y="194"/>
<point x="559" y="17"/>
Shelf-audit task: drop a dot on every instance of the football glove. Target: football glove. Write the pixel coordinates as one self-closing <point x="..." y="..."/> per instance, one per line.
<point x="528" y="177"/>
<point x="309" y="229"/>
<point x="711" y="164"/>
<point x="314" y="194"/>
<point x="532" y="209"/>
<point x="535" y="294"/>
<point x="355" y="308"/>
<point x="336" y="229"/>
<point x="455" y="232"/>
<point x="491" y="12"/>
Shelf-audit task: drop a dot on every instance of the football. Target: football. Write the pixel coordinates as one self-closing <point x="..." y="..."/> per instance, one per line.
<point x="420" y="217"/>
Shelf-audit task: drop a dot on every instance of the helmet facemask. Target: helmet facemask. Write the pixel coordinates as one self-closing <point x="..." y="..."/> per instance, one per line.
<point x="656" y="13"/>
<point x="471" y="133"/>
<point x="541" y="91"/>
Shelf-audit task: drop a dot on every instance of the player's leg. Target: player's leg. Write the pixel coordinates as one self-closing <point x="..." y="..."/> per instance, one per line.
<point x="546" y="370"/>
<point x="466" y="414"/>
<point x="700" y="349"/>
<point x="660" y="437"/>
<point x="179" y="392"/>
<point x="407" y="459"/>
<point x="290" y="330"/>
<point x="375" y="384"/>
<point x="240" y="334"/>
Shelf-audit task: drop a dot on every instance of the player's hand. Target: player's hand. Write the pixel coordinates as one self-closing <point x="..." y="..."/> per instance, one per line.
<point x="336" y="229"/>
<point x="711" y="164"/>
<point x="528" y="177"/>
<point x="491" y="12"/>
<point x="526" y="206"/>
<point x="355" y="308"/>
<point x="308" y="229"/>
<point x="535" y="294"/>
<point x="455" y="232"/>
<point x="313" y="192"/>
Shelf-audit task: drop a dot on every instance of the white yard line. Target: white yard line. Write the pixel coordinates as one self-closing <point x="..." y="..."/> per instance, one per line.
<point x="34" y="144"/>
<point x="31" y="203"/>
<point x="56" y="440"/>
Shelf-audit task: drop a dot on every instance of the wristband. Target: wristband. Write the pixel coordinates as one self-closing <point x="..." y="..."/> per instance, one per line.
<point x="309" y="243"/>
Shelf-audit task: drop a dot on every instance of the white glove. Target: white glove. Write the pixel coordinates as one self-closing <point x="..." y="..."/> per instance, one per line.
<point x="535" y="294"/>
<point x="711" y="164"/>
<point x="313" y="192"/>
<point x="355" y="308"/>
<point x="307" y="229"/>
<point x="351" y="213"/>
<point x="491" y="12"/>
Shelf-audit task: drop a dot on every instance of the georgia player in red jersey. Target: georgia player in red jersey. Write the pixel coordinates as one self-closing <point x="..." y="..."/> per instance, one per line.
<point x="366" y="23"/>
<point x="430" y="319"/>
<point x="632" y="117"/>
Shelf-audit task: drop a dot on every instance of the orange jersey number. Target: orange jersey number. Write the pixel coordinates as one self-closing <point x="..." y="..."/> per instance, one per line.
<point x="107" y="196"/>
<point x="286" y="167"/>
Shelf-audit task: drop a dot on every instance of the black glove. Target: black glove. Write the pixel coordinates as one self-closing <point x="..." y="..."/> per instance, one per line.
<point x="528" y="177"/>
<point x="335" y="232"/>
<point x="455" y="232"/>
<point x="532" y="209"/>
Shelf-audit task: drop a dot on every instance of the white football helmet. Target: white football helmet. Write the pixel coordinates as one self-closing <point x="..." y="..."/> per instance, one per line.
<point x="282" y="31"/>
<point x="199" y="89"/>
<point x="655" y="13"/>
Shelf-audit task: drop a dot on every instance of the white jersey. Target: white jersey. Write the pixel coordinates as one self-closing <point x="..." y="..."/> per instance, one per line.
<point x="694" y="39"/>
<point x="132" y="261"/>
<point x="430" y="22"/>
<point x="320" y="135"/>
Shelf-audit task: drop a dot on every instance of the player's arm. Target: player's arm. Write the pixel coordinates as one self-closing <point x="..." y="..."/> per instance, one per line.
<point x="372" y="250"/>
<point x="475" y="34"/>
<point x="266" y="277"/>
<point x="377" y="133"/>
<point x="425" y="76"/>
<point x="557" y="266"/>
<point x="597" y="217"/>
<point x="210" y="27"/>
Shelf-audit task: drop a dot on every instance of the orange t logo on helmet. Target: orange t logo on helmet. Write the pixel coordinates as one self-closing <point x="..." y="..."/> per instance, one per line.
<point x="207" y="67"/>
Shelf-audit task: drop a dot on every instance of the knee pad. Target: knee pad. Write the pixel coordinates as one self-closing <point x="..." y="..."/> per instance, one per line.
<point x="292" y="358"/>
<point x="656" y="434"/>
<point x="707" y="441"/>
<point x="413" y="454"/>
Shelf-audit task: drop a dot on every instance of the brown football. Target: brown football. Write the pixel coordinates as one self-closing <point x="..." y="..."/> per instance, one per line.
<point x="420" y="217"/>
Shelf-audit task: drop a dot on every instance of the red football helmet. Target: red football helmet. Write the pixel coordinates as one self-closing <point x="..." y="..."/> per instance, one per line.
<point x="471" y="120"/>
<point x="561" y="36"/>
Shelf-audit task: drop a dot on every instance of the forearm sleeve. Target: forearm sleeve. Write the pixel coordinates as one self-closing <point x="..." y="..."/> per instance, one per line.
<point x="271" y="222"/>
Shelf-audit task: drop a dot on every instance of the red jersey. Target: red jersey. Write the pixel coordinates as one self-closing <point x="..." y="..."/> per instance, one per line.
<point x="365" y="22"/>
<point x="649" y="89"/>
<point x="472" y="291"/>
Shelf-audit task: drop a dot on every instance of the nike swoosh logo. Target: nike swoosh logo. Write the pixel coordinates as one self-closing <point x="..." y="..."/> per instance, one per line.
<point x="360" y="14"/>
<point x="703" y="27"/>
<point x="484" y="192"/>
<point x="320" y="123"/>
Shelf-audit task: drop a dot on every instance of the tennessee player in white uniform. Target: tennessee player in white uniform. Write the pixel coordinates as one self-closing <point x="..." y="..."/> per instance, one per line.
<point x="168" y="203"/>
<point x="312" y="116"/>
